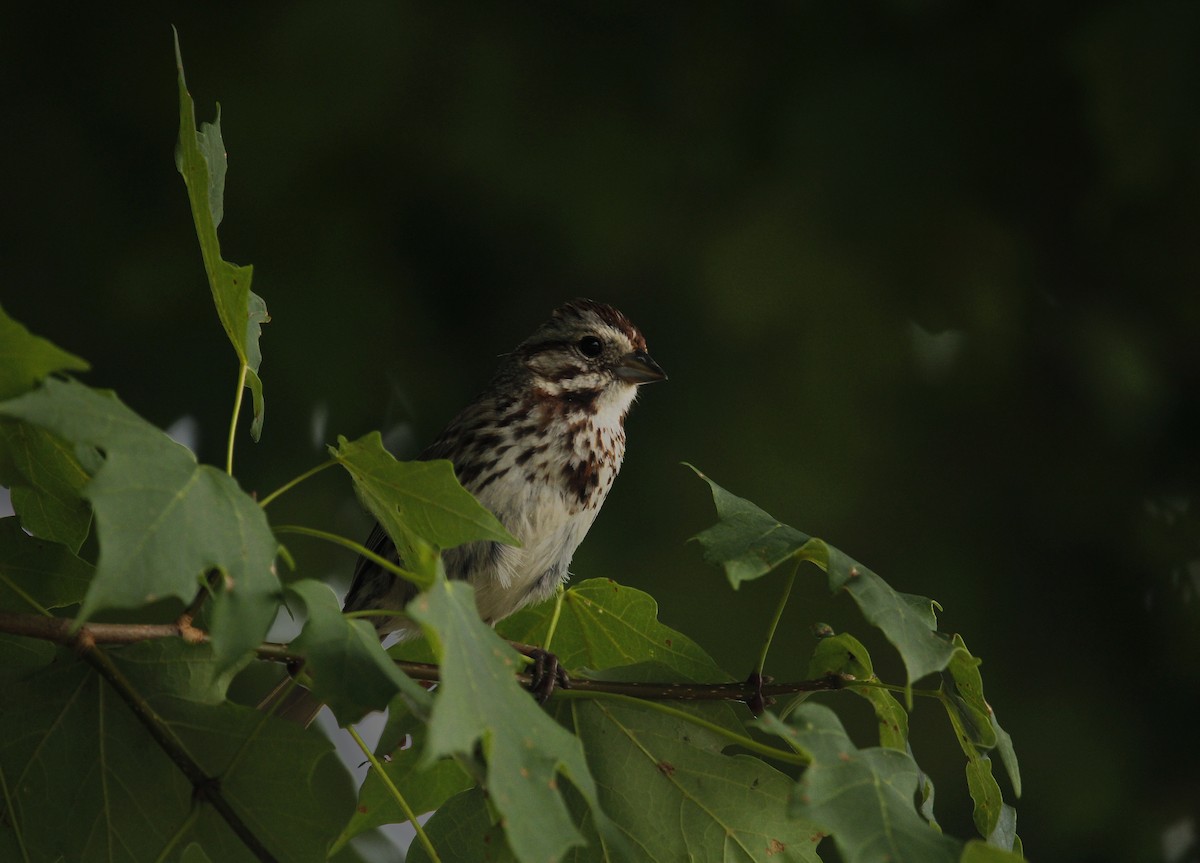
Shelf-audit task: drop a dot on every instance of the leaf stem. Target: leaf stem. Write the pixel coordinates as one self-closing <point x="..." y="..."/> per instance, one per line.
<point x="290" y="484"/>
<point x="353" y="546"/>
<point x="894" y="687"/>
<point x="783" y="600"/>
<point x="559" y="594"/>
<point x="372" y="612"/>
<point x="396" y="795"/>
<point x="732" y="736"/>
<point x="29" y="600"/>
<point x="237" y="410"/>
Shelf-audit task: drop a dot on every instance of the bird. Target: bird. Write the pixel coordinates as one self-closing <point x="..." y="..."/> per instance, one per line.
<point x="540" y="447"/>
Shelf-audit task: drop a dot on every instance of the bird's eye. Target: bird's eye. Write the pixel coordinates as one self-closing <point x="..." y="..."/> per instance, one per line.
<point x="590" y="347"/>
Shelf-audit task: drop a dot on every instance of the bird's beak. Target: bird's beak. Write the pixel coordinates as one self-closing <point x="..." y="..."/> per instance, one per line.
<point x="639" y="368"/>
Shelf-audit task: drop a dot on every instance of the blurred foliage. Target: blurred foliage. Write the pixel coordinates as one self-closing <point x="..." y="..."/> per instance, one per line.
<point x="924" y="276"/>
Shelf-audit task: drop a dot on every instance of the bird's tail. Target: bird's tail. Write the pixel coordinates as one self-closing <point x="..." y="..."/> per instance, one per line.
<point x="292" y="702"/>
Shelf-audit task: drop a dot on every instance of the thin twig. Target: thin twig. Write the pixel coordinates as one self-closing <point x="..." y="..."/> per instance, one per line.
<point x="187" y="630"/>
<point x="61" y="629"/>
<point x="742" y="692"/>
<point x="292" y="483"/>
<point x="559" y="597"/>
<point x="783" y="600"/>
<point x="361" y="549"/>
<point x="237" y="410"/>
<point x="422" y="836"/>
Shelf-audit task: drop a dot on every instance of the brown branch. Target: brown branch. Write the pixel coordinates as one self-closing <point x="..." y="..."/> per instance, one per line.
<point x="59" y="630"/>
<point x="742" y="692"/>
<point x="189" y="615"/>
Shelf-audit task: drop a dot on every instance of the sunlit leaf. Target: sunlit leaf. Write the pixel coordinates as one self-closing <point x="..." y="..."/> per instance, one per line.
<point x="845" y="654"/>
<point x="163" y="521"/>
<point x="604" y="624"/>
<point x="201" y="160"/>
<point x="978" y="732"/>
<point x="416" y="498"/>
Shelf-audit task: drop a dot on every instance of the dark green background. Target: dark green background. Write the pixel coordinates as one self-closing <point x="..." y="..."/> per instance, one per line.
<point x="924" y="276"/>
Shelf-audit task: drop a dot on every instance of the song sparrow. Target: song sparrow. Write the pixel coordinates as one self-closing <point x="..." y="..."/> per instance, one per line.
<point x="540" y="448"/>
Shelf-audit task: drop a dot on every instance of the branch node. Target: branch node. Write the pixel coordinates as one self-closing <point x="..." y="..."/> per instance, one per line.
<point x="207" y="789"/>
<point x="84" y="641"/>
<point x="756" y="700"/>
<point x="189" y="632"/>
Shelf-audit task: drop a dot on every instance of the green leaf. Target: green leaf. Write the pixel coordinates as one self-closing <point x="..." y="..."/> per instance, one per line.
<point x="926" y="790"/>
<point x="36" y="574"/>
<point x="978" y="732"/>
<point x="667" y="786"/>
<point x="200" y="158"/>
<point x="46" y="481"/>
<point x="985" y="793"/>
<point x="981" y="852"/>
<point x="463" y="830"/>
<point x="10" y="846"/>
<point x="26" y="359"/>
<point x="169" y="670"/>
<point x="425" y="787"/>
<point x="194" y="854"/>
<point x="20" y="656"/>
<point x="604" y="624"/>
<point x="1008" y="756"/>
<point x="66" y="736"/>
<point x="864" y="798"/>
<point x="963" y="685"/>
<point x="416" y="498"/>
<point x="749" y="543"/>
<point x="1005" y="835"/>
<point x="350" y="670"/>
<point x="162" y="520"/>
<point x="845" y="654"/>
<point x="480" y="702"/>
<point x="670" y="788"/>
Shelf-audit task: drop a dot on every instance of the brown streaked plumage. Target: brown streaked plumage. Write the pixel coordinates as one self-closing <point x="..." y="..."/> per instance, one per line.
<point x="540" y="448"/>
